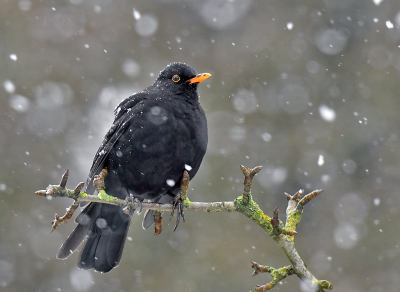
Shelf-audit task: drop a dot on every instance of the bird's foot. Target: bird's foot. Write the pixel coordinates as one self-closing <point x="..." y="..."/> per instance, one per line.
<point x="178" y="205"/>
<point x="130" y="199"/>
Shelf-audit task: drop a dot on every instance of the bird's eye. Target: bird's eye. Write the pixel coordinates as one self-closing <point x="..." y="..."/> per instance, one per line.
<point x="176" y="78"/>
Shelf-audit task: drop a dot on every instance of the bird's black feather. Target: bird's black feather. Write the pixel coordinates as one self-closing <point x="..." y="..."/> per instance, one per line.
<point x="155" y="136"/>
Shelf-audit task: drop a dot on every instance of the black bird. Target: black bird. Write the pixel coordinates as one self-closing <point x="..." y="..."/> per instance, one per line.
<point x="156" y="135"/>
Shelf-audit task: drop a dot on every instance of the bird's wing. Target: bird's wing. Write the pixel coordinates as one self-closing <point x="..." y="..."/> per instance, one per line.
<point x="123" y="114"/>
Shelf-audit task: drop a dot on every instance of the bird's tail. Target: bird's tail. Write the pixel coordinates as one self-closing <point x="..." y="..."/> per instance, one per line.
<point x="106" y="228"/>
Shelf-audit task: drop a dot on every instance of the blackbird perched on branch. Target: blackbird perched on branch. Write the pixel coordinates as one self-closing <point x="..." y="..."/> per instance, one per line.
<point x="156" y="135"/>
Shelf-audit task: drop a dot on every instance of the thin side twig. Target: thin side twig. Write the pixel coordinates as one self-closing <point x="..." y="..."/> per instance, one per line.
<point x="248" y="173"/>
<point x="70" y="210"/>
<point x="277" y="275"/>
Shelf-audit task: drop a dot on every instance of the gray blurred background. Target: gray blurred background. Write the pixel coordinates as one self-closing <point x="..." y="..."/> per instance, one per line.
<point x="308" y="89"/>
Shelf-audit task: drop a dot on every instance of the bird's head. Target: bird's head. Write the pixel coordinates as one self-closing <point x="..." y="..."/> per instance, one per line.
<point x="178" y="78"/>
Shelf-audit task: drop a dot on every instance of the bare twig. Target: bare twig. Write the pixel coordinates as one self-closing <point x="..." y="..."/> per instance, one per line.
<point x="64" y="179"/>
<point x="248" y="180"/>
<point x="56" y="190"/>
<point x="307" y="198"/>
<point x="277" y="275"/>
<point x="275" y="223"/>
<point x="70" y="210"/>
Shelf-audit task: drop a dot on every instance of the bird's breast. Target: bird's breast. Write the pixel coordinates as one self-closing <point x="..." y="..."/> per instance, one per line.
<point x="160" y="140"/>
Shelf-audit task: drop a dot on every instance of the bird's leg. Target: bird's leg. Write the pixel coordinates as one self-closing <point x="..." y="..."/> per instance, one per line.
<point x="157" y="223"/>
<point x="99" y="184"/>
<point x="98" y="180"/>
<point x="178" y="200"/>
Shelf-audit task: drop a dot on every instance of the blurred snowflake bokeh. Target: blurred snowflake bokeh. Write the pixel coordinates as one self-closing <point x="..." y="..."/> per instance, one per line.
<point x="307" y="89"/>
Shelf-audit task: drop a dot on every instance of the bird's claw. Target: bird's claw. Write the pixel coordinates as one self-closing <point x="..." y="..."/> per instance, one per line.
<point x="178" y="205"/>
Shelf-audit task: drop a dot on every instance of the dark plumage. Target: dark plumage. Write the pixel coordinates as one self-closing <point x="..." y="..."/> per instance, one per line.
<point x="155" y="136"/>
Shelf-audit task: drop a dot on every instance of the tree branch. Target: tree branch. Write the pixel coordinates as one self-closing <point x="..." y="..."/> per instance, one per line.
<point x="282" y="233"/>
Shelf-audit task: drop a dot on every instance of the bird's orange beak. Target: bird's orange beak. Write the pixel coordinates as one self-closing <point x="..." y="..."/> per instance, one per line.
<point x="199" y="78"/>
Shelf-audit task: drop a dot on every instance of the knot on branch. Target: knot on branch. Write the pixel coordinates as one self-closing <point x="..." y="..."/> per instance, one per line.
<point x="324" y="284"/>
